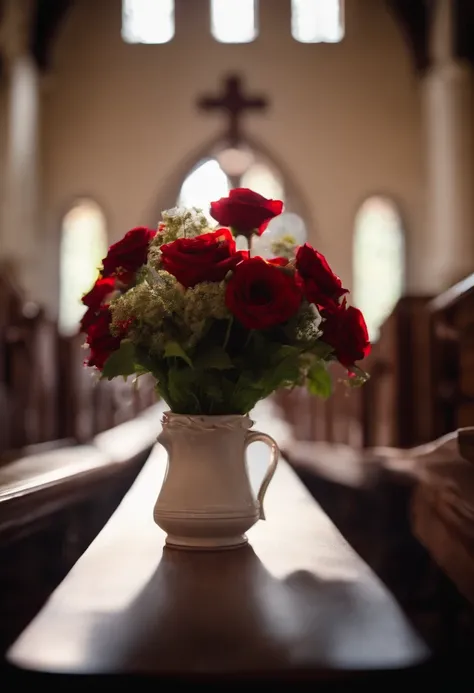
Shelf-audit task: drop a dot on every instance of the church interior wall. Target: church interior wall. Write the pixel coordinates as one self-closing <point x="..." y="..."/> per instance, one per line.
<point x="119" y="120"/>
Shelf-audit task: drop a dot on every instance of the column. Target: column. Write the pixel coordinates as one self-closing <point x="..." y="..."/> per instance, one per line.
<point x="20" y="222"/>
<point x="448" y="119"/>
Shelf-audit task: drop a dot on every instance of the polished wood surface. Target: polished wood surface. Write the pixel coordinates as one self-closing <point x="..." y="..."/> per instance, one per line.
<point x="296" y="599"/>
<point x="39" y="483"/>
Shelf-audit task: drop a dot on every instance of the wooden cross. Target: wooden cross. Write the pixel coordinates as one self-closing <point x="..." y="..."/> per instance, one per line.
<point x="234" y="103"/>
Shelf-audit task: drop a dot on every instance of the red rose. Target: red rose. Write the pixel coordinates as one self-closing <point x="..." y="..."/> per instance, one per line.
<point x="100" y="340"/>
<point x="321" y="286"/>
<point x="205" y="258"/>
<point x="245" y="211"/>
<point x="101" y="290"/>
<point x="279" y="261"/>
<point x="127" y="255"/>
<point x="261" y="295"/>
<point x="345" y="330"/>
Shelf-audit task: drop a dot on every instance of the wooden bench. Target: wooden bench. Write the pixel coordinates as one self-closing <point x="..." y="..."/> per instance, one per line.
<point x="297" y="602"/>
<point x="52" y="504"/>
<point x="46" y="394"/>
<point x="410" y="514"/>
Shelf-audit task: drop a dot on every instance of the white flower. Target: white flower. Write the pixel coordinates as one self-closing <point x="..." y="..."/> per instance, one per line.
<point x="285" y="230"/>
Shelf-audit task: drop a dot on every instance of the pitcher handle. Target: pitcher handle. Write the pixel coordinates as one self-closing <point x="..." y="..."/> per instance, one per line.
<point x="258" y="437"/>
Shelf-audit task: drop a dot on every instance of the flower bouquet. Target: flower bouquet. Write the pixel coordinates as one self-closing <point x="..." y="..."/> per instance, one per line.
<point x="220" y="328"/>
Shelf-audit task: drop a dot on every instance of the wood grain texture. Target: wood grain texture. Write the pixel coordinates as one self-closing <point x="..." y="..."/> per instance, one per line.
<point x="296" y="599"/>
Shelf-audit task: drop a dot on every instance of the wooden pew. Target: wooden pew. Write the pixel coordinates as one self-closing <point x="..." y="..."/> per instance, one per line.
<point x="396" y="398"/>
<point x="452" y="315"/>
<point x="410" y="514"/>
<point x="393" y="407"/>
<point x="46" y="394"/>
<point x="53" y="503"/>
<point x="69" y="450"/>
<point x="337" y="420"/>
<point x="442" y="509"/>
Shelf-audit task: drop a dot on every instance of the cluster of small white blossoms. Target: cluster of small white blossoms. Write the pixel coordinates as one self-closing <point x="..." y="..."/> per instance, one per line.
<point x="161" y="309"/>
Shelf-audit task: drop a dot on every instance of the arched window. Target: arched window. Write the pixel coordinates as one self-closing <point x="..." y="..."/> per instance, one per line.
<point x="234" y="21"/>
<point x="147" y="21"/>
<point x="206" y="182"/>
<point x="83" y="247"/>
<point x="242" y="167"/>
<point x="212" y="178"/>
<point x="379" y="260"/>
<point x="317" y="21"/>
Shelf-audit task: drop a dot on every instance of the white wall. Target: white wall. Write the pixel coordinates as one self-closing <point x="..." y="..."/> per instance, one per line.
<point x="119" y="119"/>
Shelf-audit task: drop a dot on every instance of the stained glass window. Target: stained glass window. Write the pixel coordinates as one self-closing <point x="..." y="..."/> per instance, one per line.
<point x="379" y="261"/>
<point x="317" y="21"/>
<point x="147" y="21"/>
<point x="83" y="246"/>
<point x="234" y="21"/>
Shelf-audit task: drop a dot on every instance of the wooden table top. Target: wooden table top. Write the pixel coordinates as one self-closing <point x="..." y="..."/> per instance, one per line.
<point x="297" y="599"/>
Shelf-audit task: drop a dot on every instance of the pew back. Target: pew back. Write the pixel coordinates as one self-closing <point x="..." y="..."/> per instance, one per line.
<point x="452" y="315"/>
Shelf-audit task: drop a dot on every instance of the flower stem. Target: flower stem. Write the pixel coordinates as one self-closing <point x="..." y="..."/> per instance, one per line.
<point x="227" y="333"/>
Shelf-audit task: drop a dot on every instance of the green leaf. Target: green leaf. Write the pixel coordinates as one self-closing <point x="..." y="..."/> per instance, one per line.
<point x="120" y="362"/>
<point x="181" y="388"/>
<point x="286" y="372"/>
<point x="246" y="393"/>
<point x="264" y="352"/>
<point x="284" y="352"/>
<point x="214" y="357"/>
<point x="173" y="349"/>
<point x="319" y="381"/>
<point x="140" y="369"/>
<point x="321" y="349"/>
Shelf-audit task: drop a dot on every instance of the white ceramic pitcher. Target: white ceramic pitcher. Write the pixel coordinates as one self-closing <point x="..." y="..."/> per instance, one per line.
<point x="206" y="501"/>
